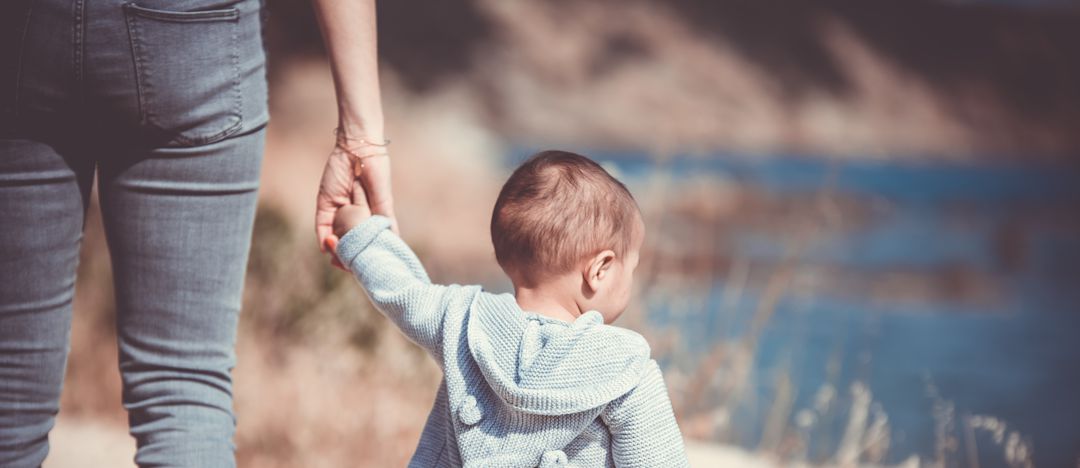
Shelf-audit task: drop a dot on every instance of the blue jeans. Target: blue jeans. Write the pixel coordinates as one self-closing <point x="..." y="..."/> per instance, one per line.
<point x="165" y="101"/>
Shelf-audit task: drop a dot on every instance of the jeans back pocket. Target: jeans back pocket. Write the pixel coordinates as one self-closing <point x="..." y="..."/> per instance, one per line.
<point x="187" y="68"/>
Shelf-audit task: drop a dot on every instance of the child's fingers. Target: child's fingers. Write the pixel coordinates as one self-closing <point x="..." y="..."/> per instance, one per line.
<point x="322" y="232"/>
<point x="337" y="264"/>
<point x="330" y="243"/>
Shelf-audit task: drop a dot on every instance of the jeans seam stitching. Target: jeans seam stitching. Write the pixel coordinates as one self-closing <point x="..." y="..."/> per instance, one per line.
<point x="238" y="95"/>
<point x="19" y="66"/>
<point x="231" y="14"/>
<point x="78" y="30"/>
<point x="136" y="59"/>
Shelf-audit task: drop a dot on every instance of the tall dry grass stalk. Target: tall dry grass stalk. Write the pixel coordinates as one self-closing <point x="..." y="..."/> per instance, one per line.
<point x="1016" y="448"/>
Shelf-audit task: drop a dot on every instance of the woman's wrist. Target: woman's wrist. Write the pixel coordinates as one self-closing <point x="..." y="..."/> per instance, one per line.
<point x="360" y="121"/>
<point x="351" y="129"/>
<point x="349" y="140"/>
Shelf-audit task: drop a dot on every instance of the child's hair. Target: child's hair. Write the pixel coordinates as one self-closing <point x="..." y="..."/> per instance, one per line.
<point x="555" y="211"/>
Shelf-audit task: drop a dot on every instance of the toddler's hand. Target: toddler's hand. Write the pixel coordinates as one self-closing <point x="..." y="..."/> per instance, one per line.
<point x="349" y="216"/>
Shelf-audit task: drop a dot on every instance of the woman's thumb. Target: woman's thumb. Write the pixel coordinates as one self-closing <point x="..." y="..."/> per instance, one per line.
<point x="358" y="196"/>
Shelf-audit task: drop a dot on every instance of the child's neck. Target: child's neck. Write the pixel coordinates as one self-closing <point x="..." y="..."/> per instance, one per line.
<point x="548" y="300"/>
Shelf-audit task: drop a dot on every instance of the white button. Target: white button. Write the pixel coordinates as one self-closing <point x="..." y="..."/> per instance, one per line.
<point x="469" y="412"/>
<point x="553" y="459"/>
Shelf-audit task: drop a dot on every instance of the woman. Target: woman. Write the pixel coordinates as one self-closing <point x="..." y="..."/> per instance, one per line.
<point x="164" y="101"/>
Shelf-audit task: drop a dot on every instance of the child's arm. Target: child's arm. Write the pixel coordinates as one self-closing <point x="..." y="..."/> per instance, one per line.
<point x="642" y="425"/>
<point x="396" y="281"/>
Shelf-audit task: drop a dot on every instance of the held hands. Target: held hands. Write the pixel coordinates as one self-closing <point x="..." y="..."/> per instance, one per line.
<point x="345" y="218"/>
<point x="358" y="197"/>
<point x="350" y="216"/>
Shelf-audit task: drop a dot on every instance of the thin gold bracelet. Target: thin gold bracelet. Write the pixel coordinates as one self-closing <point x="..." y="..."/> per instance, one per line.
<point x="342" y="138"/>
<point x="344" y="142"/>
<point x="358" y="159"/>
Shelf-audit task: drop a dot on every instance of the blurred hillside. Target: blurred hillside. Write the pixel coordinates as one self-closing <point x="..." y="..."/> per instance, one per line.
<point x="838" y="77"/>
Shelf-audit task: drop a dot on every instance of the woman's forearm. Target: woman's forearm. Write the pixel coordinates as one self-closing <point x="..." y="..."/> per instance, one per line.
<point x="348" y="28"/>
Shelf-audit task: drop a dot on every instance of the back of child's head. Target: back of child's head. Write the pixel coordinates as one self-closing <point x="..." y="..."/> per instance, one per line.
<point x="557" y="210"/>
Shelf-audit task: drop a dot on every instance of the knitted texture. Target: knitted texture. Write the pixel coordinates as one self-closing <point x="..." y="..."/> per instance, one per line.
<point x="519" y="389"/>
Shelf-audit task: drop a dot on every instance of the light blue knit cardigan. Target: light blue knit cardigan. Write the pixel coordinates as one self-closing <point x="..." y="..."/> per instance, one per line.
<point x="519" y="389"/>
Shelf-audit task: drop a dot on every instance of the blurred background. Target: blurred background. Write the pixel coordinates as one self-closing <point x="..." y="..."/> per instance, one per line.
<point x="863" y="219"/>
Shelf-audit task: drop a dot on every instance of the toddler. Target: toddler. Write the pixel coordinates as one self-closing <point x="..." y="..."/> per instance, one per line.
<point x="537" y="378"/>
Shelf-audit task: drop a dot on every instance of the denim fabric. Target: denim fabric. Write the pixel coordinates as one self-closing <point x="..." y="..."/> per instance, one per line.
<point x="165" y="102"/>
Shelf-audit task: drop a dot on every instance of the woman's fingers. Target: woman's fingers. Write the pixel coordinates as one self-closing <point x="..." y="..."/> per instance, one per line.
<point x="371" y="193"/>
<point x="335" y="190"/>
<point x="359" y="198"/>
<point x="322" y="231"/>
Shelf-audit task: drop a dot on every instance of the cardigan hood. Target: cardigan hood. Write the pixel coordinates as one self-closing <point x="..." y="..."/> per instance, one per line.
<point x="545" y="366"/>
<point x="518" y="389"/>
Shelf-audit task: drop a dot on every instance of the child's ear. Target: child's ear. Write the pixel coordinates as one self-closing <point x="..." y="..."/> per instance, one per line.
<point x="599" y="269"/>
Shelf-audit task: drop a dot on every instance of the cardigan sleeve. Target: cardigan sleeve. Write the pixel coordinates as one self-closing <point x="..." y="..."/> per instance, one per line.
<point x="642" y="424"/>
<point x="396" y="281"/>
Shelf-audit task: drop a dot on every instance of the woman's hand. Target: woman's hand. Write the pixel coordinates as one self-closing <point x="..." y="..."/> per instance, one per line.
<point x="336" y="190"/>
<point x="349" y="31"/>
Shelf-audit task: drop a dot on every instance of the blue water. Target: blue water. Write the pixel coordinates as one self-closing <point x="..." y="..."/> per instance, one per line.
<point x="1015" y="357"/>
<point x="1019" y="367"/>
